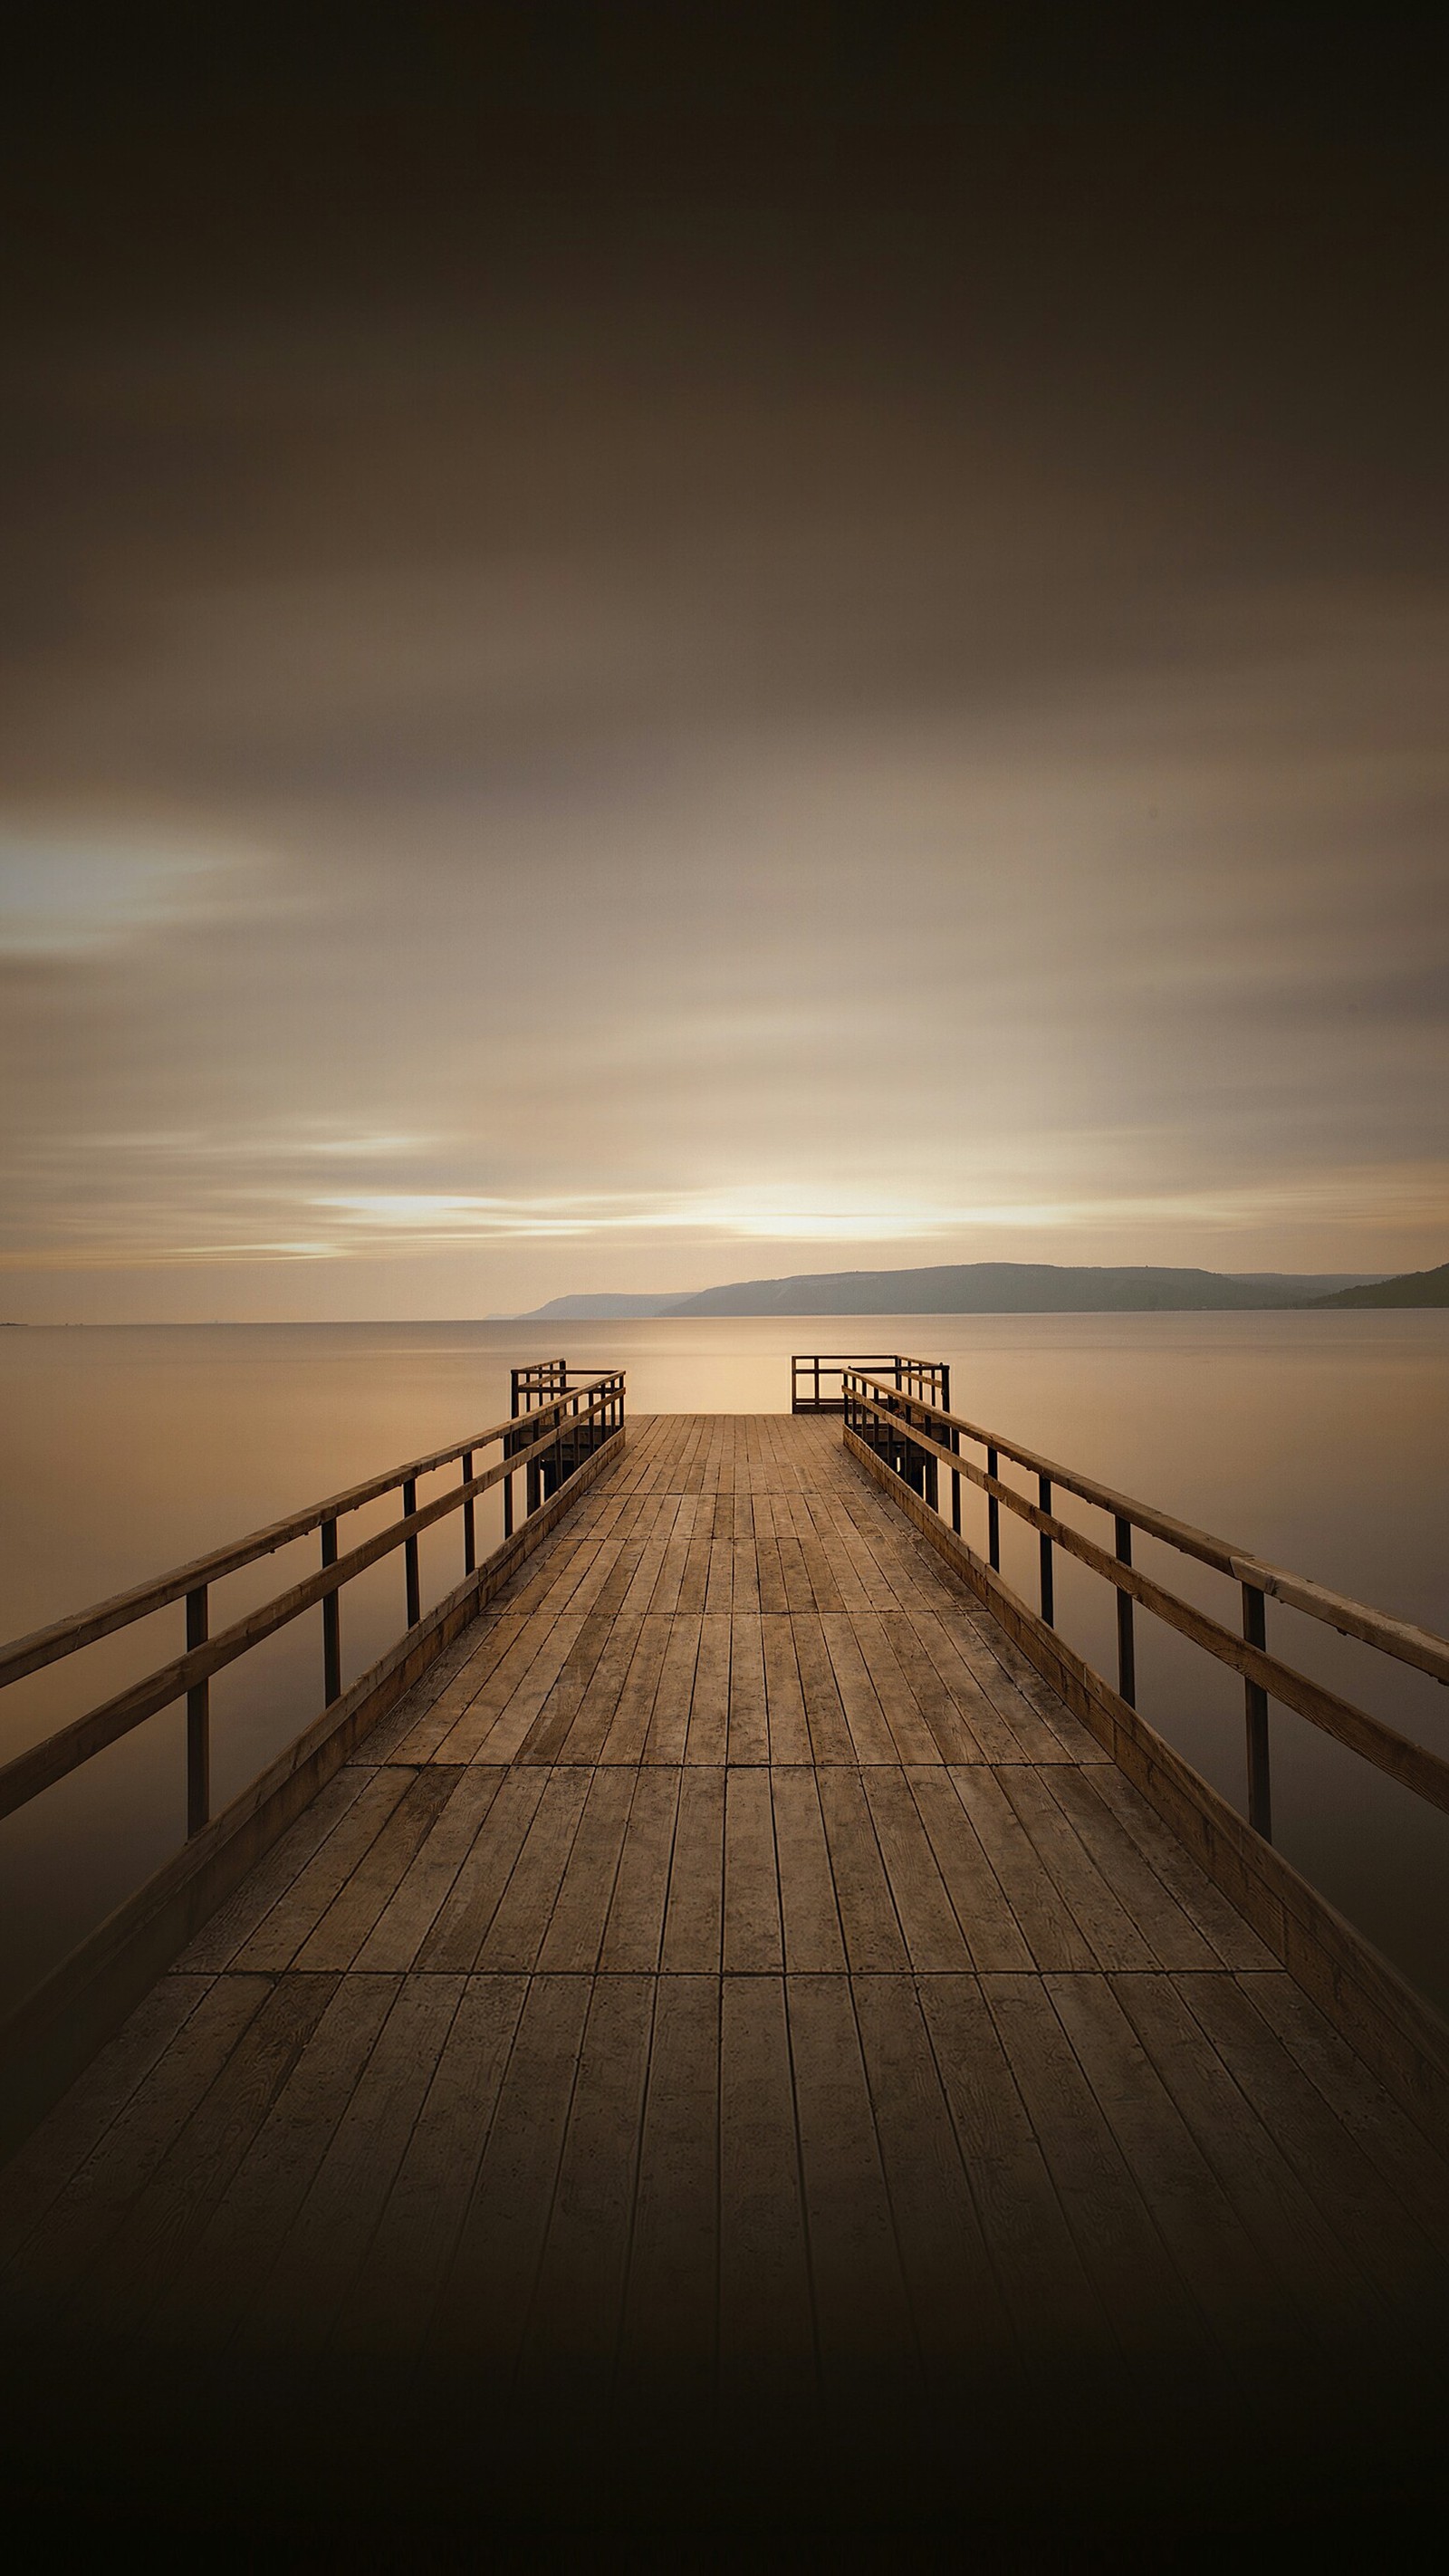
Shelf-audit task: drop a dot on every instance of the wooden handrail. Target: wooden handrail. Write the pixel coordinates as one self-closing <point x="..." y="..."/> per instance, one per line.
<point x="188" y="1675"/>
<point x="1413" y="1765"/>
<point x="1397" y="1637"/>
<point x="84" y="1627"/>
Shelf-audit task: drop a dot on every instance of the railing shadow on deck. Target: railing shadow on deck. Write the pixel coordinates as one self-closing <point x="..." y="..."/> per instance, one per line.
<point x="556" y="1434"/>
<point x="907" y="1441"/>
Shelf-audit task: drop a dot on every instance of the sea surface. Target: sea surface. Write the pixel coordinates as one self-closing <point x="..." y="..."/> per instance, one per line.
<point x="1317" y="1441"/>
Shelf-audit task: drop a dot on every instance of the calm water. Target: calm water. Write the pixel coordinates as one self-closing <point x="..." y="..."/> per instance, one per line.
<point x="1319" y="1441"/>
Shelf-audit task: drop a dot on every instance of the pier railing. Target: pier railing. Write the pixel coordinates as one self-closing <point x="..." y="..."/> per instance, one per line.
<point x="550" y="1442"/>
<point x="915" y="1439"/>
<point x="817" y="1377"/>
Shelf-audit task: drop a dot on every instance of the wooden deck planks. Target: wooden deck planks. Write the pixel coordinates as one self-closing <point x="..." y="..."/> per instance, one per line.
<point x="733" y="1967"/>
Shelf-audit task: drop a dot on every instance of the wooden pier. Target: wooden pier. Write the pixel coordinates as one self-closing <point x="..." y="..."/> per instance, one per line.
<point x="730" y="2043"/>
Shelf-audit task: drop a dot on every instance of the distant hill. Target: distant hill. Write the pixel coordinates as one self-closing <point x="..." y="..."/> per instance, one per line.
<point x="969" y="1288"/>
<point x="1412" y="1288"/>
<point x="600" y="1308"/>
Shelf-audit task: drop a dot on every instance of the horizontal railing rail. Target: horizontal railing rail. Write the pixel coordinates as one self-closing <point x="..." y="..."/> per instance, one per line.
<point x="812" y="1371"/>
<point x="536" y="1382"/>
<point x="917" y="1439"/>
<point x="548" y="1444"/>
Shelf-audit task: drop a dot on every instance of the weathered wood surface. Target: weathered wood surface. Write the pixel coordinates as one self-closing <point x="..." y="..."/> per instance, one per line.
<point x="730" y="2037"/>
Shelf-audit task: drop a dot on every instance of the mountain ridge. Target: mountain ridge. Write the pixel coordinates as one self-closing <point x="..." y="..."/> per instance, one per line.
<point x="980" y="1288"/>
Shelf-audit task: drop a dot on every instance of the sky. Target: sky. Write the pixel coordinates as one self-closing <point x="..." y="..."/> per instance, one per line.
<point x="635" y="653"/>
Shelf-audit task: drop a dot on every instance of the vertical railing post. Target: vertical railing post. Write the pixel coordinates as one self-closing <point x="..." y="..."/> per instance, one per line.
<point x="331" y="1623"/>
<point x="993" y="1515"/>
<point x="954" y="1437"/>
<point x="508" y="1501"/>
<point x="469" y="1542"/>
<point x="410" y="1555"/>
<point x="198" y="1722"/>
<point x="945" y="1386"/>
<point x="1260" y="1791"/>
<point x="1048" y="1610"/>
<point x="1126" y="1643"/>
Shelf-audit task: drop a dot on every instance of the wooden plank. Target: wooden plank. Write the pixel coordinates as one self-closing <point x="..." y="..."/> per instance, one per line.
<point x="494" y="1724"/>
<point x="814" y="1558"/>
<point x="911" y="1738"/>
<point x="492" y="1638"/>
<point x="766" y="2328"/>
<point x="330" y="2236"/>
<point x="927" y="1918"/>
<point x="988" y="1924"/>
<point x="1018" y="1696"/>
<point x="578" y="2302"/>
<point x="824" y="1715"/>
<point x="1051" y="1933"/>
<point x="651" y="1562"/>
<point x="669" y="1718"/>
<point x="784" y="1698"/>
<point x="953" y="1735"/>
<point x="585" y="1891"/>
<point x="635" y="1928"/>
<point x="852" y="1592"/>
<point x="1401" y="2247"/>
<point x="587" y="1735"/>
<point x="520" y="1924"/>
<point x="463" y="1919"/>
<point x="629" y="1725"/>
<point x="769" y="1580"/>
<point x="671" y="2319"/>
<point x="482" y="2307"/>
<point x="1152" y="2311"/>
<point x="709" y="1704"/>
<point x="719" y="1594"/>
<point x="387" y="2309"/>
<point x="1116" y="1941"/>
<point x="1205" y="2237"/>
<point x="121" y="2282"/>
<point x="403" y="1925"/>
<point x="1300" y="2232"/>
<point x="961" y="2323"/>
<point x="303" y="1901"/>
<point x="1146" y="1896"/>
<point x="34" y="2178"/>
<point x="870" y="1738"/>
<point x="695" y="1580"/>
<point x="995" y="1740"/>
<point x="749" y="1733"/>
<point x="1055" y="2310"/>
<point x="853" y="1543"/>
<point x="336" y="1939"/>
<point x="664" y="1601"/>
<point x="753" y="1939"/>
<point x="1393" y="2145"/>
<point x="745" y="1580"/>
<point x="1228" y="1934"/>
<point x="863" y="2321"/>
<point x="867" y="1915"/>
<point x="550" y="1730"/>
<point x="219" y="1939"/>
<point x="509" y="1724"/>
<point x="212" y="2295"/>
<point x="694" y="1912"/>
<point x="810" y="1915"/>
<point x="799" y="1593"/>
